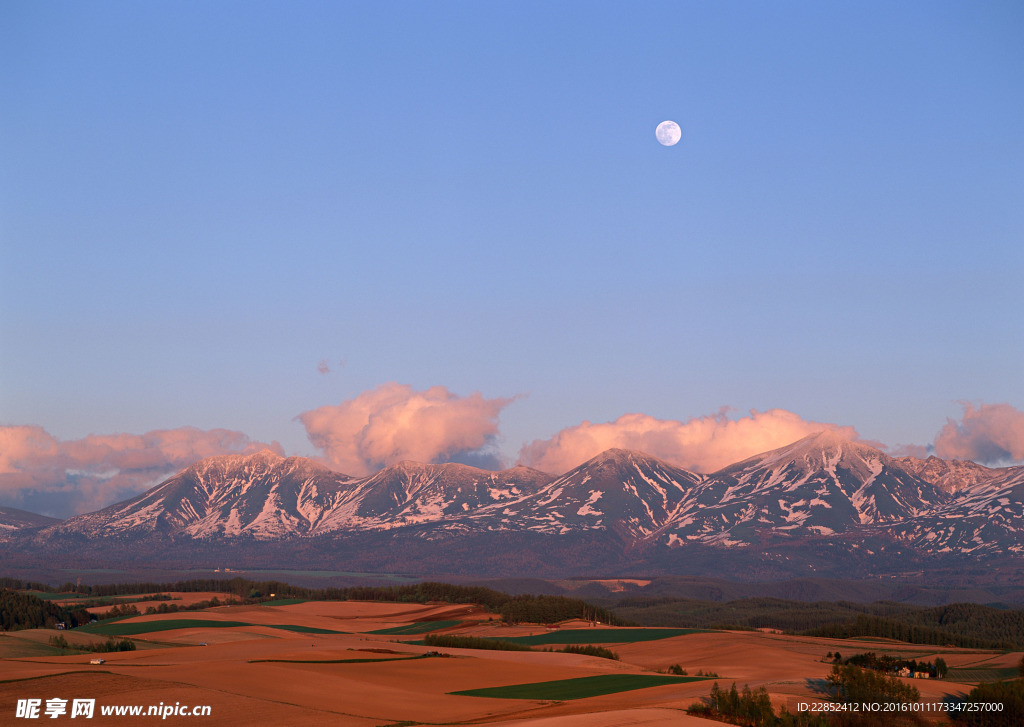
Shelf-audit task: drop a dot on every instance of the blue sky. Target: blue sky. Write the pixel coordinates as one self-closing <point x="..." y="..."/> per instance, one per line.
<point x="199" y="202"/>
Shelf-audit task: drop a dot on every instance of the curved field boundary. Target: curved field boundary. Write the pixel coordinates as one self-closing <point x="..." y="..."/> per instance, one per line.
<point x="147" y="627"/>
<point x="335" y="661"/>
<point x="420" y="627"/>
<point x="580" y="688"/>
<point x="601" y="636"/>
<point x="285" y="602"/>
<point x="56" y="674"/>
<point x="301" y="629"/>
<point x="981" y="674"/>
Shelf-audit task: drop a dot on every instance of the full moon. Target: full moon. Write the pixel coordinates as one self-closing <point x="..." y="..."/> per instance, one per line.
<point x="668" y="133"/>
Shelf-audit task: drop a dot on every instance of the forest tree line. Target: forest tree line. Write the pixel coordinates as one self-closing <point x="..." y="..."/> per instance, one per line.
<point x="969" y="625"/>
<point x="27" y="611"/>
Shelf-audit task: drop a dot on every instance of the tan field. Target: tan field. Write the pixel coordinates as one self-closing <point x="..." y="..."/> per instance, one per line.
<point x="227" y="669"/>
<point x="178" y="598"/>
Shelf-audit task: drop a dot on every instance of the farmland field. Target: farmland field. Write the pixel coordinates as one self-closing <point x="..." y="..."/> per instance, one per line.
<point x="348" y="663"/>
<point x="982" y="674"/>
<point x="580" y="688"/>
<point x="420" y="627"/>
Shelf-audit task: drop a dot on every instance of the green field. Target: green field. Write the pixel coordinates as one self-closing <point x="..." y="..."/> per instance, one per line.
<point x="600" y="636"/>
<point x="13" y="647"/>
<point x="581" y="688"/>
<point x="284" y="602"/>
<point x="420" y="627"/>
<point x="982" y="675"/>
<point x="145" y="627"/>
<point x="300" y="629"/>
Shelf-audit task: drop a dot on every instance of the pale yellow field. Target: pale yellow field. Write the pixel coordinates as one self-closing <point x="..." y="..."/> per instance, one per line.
<point x="227" y="673"/>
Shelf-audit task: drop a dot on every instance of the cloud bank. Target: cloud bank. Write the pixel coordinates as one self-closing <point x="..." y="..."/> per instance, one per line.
<point x="40" y="473"/>
<point x="702" y="444"/>
<point x="393" y="423"/>
<point x="989" y="433"/>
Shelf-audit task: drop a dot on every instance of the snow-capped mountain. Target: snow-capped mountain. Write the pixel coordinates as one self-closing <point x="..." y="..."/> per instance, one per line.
<point x="987" y="518"/>
<point x="628" y="493"/>
<point x="814" y="497"/>
<point x="822" y="484"/>
<point x="949" y="475"/>
<point x="410" y="493"/>
<point x="265" y="496"/>
<point x="262" y="495"/>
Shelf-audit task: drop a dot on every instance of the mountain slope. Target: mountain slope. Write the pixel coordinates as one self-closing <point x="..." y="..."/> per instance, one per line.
<point x="987" y="519"/>
<point x="627" y="493"/>
<point x="13" y="520"/>
<point x="409" y="494"/>
<point x="949" y="475"/>
<point x="821" y="484"/>
<point x="262" y="495"/>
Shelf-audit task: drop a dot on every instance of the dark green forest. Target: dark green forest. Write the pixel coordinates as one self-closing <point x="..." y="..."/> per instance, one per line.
<point x="21" y="611"/>
<point x="969" y="625"/>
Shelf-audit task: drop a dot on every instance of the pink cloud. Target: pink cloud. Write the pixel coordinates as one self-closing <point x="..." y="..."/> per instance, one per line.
<point x="919" y="451"/>
<point x="20" y="446"/>
<point x="703" y="444"/>
<point x="392" y="423"/>
<point x="989" y="433"/>
<point x="65" y="477"/>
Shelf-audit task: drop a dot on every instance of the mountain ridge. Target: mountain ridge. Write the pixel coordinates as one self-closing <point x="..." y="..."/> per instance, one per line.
<point x="803" y="502"/>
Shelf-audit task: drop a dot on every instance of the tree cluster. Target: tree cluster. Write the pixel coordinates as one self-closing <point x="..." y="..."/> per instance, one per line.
<point x="22" y="611"/>
<point x="175" y="607"/>
<point x="589" y="650"/>
<point x="892" y="664"/>
<point x="853" y="685"/>
<point x="454" y="641"/>
<point x="1010" y="694"/>
<point x="104" y="647"/>
<point x="751" y="709"/>
<point x="551" y="609"/>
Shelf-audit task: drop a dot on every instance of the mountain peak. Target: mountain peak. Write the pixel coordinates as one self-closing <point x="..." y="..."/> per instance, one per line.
<point x="264" y="455"/>
<point x="615" y="454"/>
<point x="830" y="441"/>
<point x="829" y="436"/>
<point x="619" y="456"/>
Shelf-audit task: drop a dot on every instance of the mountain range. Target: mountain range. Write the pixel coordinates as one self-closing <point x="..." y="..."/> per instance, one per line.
<point x="823" y="504"/>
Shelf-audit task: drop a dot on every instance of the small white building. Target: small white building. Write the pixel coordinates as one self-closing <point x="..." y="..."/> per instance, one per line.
<point x="97" y="660"/>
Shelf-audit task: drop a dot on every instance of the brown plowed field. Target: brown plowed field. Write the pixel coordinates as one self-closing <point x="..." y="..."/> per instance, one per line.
<point x="258" y="673"/>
